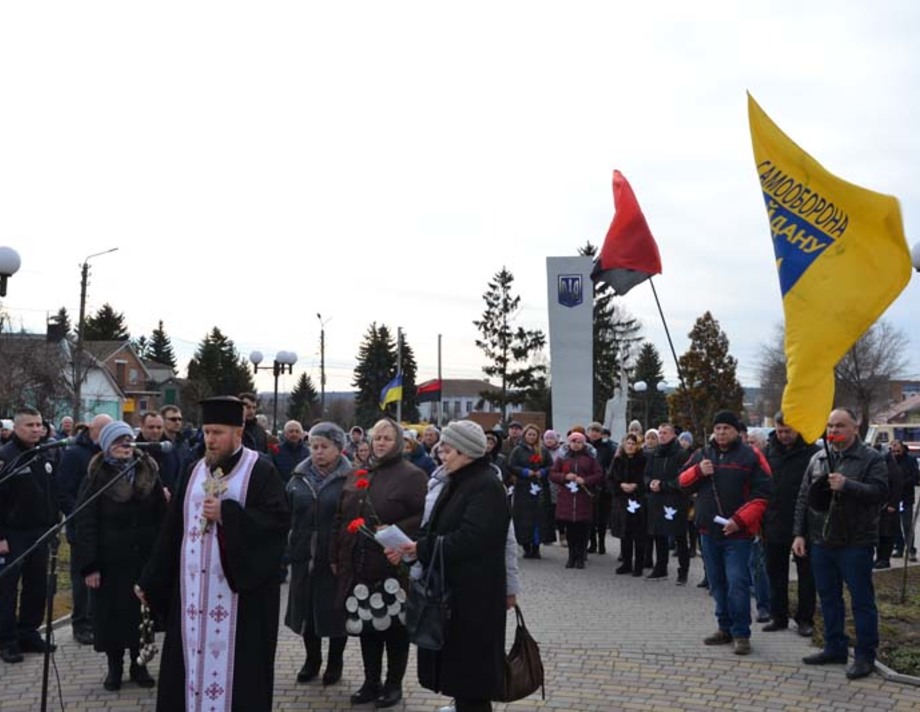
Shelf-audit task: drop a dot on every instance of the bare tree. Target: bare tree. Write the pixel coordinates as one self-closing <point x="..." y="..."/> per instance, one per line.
<point x="34" y="373"/>
<point x="862" y="375"/>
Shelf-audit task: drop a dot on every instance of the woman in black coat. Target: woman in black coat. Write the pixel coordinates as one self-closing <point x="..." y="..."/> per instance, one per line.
<point x="630" y="519"/>
<point x="114" y="538"/>
<point x="313" y="493"/>
<point x="471" y="516"/>
<point x="529" y="465"/>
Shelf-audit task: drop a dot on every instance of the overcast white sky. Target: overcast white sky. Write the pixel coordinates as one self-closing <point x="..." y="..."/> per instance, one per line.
<point x="257" y="163"/>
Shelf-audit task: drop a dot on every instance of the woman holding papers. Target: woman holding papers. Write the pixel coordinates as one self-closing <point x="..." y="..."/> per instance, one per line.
<point x="313" y="493"/>
<point x="577" y="474"/>
<point x="630" y="520"/>
<point x="529" y="465"/>
<point x="390" y="491"/>
<point x="471" y="516"/>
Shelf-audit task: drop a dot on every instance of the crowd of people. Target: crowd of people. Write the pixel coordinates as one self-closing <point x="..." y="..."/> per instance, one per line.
<point x="200" y="531"/>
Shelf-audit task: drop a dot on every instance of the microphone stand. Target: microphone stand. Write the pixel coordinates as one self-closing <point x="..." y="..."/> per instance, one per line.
<point x="53" y="532"/>
<point x="13" y="468"/>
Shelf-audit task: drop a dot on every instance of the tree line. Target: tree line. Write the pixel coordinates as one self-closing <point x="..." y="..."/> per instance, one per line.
<point x="514" y="359"/>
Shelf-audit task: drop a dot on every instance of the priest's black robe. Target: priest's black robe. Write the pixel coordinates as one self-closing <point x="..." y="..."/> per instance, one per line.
<point x="252" y="540"/>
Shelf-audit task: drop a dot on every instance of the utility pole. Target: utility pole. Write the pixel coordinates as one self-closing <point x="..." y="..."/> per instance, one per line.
<point x="399" y="371"/>
<point x="322" y="365"/>
<point x="78" y="373"/>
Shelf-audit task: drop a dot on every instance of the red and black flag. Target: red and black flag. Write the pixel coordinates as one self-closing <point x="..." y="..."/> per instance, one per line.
<point x="629" y="255"/>
<point x="429" y="391"/>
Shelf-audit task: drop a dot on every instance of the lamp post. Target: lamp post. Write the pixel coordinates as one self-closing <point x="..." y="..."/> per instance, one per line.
<point x="9" y="265"/>
<point x="283" y="363"/>
<point x="642" y="387"/>
<point x="322" y="364"/>
<point x="78" y="374"/>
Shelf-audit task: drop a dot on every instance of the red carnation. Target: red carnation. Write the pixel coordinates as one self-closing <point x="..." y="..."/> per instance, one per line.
<point x="535" y="459"/>
<point x="361" y="473"/>
<point x="363" y="483"/>
<point x="355" y="525"/>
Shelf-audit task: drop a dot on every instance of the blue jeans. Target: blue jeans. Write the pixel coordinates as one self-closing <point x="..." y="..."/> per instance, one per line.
<point x="727" y="568"/>
<point x="832" y="566"/>
<point x="759" y="577"/>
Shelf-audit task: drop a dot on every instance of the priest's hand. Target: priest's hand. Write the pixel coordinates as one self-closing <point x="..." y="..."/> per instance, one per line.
<point x="655" y="485"/>
<point x="210" y="510"/>
<point x="93" y="580"/>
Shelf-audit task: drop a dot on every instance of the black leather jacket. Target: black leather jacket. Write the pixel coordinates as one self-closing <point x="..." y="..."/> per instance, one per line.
<point x="848" y="517"/>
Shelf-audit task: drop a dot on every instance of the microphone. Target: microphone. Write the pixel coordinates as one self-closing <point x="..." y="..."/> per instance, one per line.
<point x="53" y="444"/>
<point x="164" y="446"/>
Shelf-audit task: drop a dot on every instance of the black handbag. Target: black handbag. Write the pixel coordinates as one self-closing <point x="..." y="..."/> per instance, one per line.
<point x="522" y="668"/>
<point x="428" y="607"/>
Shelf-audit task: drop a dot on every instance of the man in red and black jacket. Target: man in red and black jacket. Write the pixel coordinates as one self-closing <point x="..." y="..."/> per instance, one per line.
<point x="732" y="482"/>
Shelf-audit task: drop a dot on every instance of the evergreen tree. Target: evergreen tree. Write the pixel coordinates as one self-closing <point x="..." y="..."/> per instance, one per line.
<point x="62" y="318"/>
<point x="217" y="368"/>
<point x="303" y="404"/>
<point x="648" y="369"/>
<point x="142" y="346"/>
<point x="615" y="334"/>
<point x="710" y="379"/>
<point x="504" y="346"/>
<point x="105" y="325"/>
<point x="409" y="369"/>
<point x="161" y="349"/>
<point x="375" y="368"/>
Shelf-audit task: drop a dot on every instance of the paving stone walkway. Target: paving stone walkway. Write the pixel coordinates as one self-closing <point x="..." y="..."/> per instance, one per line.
<point x="608" y="642"/>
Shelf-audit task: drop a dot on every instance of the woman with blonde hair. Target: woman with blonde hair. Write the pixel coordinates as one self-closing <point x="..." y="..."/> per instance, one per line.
<point x="529" y="464"/>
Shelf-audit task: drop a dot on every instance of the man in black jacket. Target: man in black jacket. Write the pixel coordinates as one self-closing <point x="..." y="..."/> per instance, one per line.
<point x="71" y="471"/>
<point x="788" y="455"/>
<point x="910" y="479"/>
<point x="605" y="449"/>
<point x="837" y="511"/>
<point x="254" y="435"/>
<point x="28" y="507"/>
<point x="667" y="504"/>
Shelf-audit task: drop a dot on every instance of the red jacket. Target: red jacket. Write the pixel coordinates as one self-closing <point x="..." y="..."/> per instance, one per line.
<point x="576" y="506"/>
<point x="738" y="489"/>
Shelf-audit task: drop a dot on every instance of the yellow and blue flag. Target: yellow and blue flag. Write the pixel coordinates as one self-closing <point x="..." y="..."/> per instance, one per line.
<point x="842" y="259"/>
<point x="392" y="392"/>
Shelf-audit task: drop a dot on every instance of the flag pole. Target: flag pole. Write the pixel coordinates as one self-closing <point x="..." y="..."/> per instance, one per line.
<point x="399" y="372"/>
<point x="680" y="374"/>
<point x="440" y="385"/>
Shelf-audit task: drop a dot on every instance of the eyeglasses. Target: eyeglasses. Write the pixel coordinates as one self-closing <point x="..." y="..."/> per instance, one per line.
<point x="175" y="419"/>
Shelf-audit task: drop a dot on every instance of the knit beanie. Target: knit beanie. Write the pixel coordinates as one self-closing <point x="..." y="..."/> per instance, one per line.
<point x="686" y="437"/>
<point x="726" y="417"/>
<point x="111" y="432"/>
<point x="466" y="437"/>
<point x="331" y="431"/>
<point x="575" y="435"/>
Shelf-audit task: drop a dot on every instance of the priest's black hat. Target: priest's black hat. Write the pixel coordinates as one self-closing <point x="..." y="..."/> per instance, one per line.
<point x="222" y="410"/>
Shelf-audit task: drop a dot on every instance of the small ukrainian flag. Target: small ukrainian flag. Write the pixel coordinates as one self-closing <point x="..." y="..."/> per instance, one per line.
<point x="392" y="392"/>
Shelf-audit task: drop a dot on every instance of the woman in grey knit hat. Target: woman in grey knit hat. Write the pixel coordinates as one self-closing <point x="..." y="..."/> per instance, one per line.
<point x="471" y="518"/>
